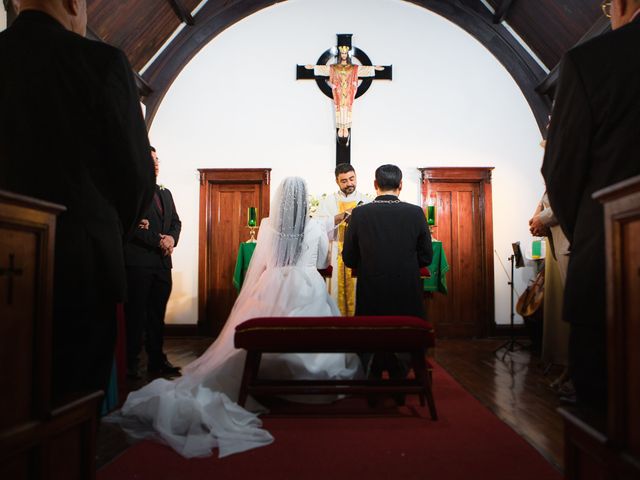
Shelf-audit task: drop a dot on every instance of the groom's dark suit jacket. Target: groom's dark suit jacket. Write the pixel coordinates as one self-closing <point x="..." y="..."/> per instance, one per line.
<point x="388" y="243"/>
<point x="142" y="250"/>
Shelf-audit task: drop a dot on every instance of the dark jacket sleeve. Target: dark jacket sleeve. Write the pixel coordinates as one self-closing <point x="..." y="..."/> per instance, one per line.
<point x="130" y="174"/>
<point x="424" y="246"/>
<point x="176" y="225"/>
<point x="149" y="237"/>
<point x="566" y="160"/>
<point x="350" y="247"/>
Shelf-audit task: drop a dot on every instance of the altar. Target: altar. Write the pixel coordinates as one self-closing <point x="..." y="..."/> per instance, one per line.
<point x="437" y="282"/>
<point x="245" y="251"/>
<point x="439" y="267"/>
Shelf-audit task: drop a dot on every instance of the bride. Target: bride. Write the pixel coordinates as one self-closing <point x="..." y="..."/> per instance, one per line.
<point x="198" y="411"/>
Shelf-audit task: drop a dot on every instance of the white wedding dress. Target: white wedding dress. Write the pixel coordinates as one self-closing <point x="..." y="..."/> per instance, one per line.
<point x="198" y="411"/>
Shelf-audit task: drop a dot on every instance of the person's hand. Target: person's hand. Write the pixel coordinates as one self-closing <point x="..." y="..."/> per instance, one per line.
<point x="537" y="228"/>
<point x="167" y="242"/>
<point x="144" y="224"/>
<point x="166" y="251"/>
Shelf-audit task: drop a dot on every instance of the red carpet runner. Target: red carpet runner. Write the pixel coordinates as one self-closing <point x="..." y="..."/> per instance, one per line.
<point x="467" y="442"/>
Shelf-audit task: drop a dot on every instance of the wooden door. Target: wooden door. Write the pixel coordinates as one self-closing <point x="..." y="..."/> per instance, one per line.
<point x="464" y="225"/>
<point x="225" y="196"/>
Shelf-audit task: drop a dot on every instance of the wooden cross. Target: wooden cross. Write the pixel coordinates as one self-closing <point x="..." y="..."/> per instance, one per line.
<point x="10" y="272"/>
<point x="332" y="56"/>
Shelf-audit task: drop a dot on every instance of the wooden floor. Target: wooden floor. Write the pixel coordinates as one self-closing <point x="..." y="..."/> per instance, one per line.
<point x="513" y="386"/>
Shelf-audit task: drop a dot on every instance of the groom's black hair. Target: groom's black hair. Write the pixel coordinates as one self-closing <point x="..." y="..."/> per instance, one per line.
<point x="344" y="168"/>
<point x="388" y="177"/>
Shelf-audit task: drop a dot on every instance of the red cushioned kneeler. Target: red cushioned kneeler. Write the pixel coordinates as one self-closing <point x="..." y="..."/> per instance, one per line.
<point x="336" y="334"/>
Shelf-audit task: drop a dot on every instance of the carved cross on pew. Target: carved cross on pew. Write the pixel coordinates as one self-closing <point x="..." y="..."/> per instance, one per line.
<point x="342" y="86"/>
<point x="10" y="272"/>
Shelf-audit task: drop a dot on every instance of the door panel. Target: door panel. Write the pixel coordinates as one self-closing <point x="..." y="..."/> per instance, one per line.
<point x="461" y="226"/>
<point x="225" y="196"/>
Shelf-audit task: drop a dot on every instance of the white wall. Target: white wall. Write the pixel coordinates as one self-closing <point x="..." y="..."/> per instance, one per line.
<point x="237" y="104"/>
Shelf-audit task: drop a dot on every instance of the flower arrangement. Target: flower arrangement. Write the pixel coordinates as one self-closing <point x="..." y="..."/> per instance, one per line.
<point x="314" y="203"/>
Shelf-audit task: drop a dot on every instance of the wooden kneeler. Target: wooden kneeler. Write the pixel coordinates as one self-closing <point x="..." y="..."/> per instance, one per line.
<point x="394" y="334"/>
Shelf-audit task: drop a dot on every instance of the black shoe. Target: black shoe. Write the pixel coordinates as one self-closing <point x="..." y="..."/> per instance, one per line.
<point x="163" y="367"/>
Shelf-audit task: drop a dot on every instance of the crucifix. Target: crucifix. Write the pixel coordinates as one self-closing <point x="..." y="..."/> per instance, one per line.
<point x="346" y="82"/>
<point x="10" y="272"/>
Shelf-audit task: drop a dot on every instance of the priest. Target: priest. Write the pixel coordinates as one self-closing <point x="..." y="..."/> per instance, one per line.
<point x="336" y="209"/>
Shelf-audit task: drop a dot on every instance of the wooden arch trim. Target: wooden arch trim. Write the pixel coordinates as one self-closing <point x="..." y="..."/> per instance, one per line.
<point x="470" y="15"/>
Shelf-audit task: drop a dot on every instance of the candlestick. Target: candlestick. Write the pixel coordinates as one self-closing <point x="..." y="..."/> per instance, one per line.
<point x="252" y="217"/>
<point x="431" y="215"/>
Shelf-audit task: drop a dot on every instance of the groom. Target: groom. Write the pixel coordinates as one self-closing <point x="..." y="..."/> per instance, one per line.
<point x="388" y="241"/>
<point x="148" y="260"/>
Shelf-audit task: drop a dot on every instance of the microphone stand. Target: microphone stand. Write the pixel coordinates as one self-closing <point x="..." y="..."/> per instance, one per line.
<point x="512" y="344"/>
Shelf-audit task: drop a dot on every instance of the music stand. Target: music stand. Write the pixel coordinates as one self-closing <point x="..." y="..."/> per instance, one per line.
<point x="512" y="344"/>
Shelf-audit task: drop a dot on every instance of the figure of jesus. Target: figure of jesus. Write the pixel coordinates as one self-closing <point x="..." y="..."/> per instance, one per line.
<point x="343" y="78"/>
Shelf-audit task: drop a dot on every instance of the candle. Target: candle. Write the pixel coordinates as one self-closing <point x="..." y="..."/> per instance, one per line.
<point x="252" y="217"/>
<point x="431" y="214"/>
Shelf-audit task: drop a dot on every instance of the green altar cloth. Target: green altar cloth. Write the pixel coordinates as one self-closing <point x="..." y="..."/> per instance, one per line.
<point x="438" y="268"/>
<point x="436" y="283"/>
<point x="245" y="251"/>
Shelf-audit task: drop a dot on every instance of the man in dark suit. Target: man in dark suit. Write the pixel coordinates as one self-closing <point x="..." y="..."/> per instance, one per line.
<point x="148" y="260"/>
<point x="72" y="132"/>
<point x="388" y="241"/>
<point x="593" y="142"/>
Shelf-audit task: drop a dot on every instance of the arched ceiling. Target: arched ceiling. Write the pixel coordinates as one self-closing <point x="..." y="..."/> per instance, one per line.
<point x="548" y="28"/>
<point x="141" y="27"/>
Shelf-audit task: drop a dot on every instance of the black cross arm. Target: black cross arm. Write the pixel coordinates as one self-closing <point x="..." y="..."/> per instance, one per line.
<point x="386" y="74"/>
<point x="302" y="73"/>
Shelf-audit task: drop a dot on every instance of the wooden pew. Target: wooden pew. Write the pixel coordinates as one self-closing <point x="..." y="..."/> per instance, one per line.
<point x="609" y="448"/>
<point x="37" y="439"/>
